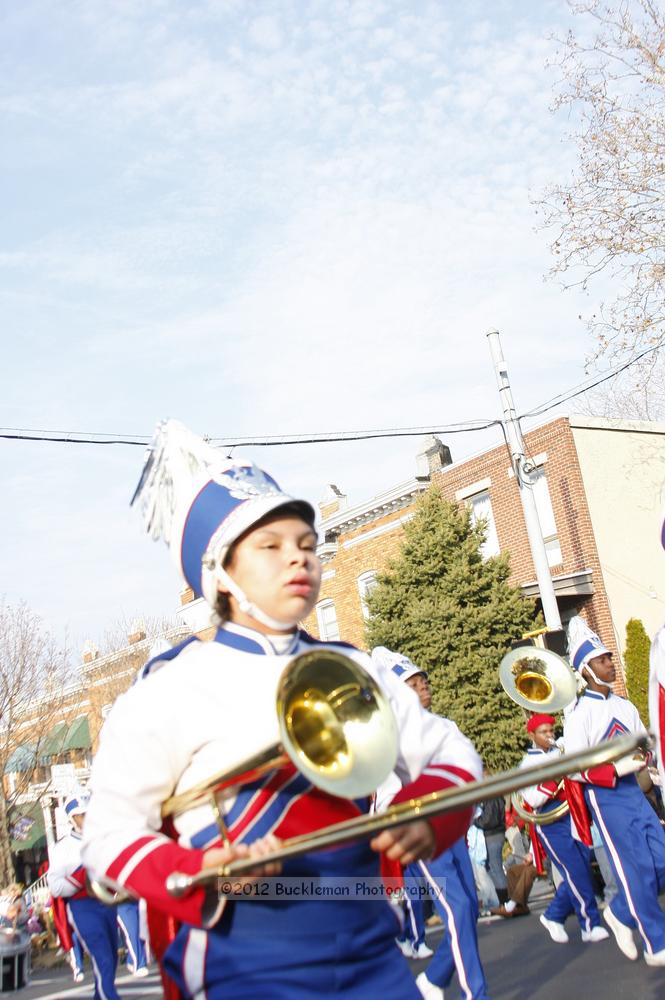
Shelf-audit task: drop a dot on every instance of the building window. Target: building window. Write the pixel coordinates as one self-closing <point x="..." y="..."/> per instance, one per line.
<point x="327" y="619"/>
<point x="366" y="584"/>
<point x="481" y="513"/>
<point x="546" y="517"/>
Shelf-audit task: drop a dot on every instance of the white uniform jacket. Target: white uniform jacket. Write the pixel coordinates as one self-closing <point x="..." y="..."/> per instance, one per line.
<point x="200" y="709"/>
<point x="66" y="875"/>
<point x="594" y="719"/>
<point x="537" y="796"/>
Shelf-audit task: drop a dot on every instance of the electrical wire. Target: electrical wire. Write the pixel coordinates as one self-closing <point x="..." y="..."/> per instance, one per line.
<point x="268" y="441"/>
<point x="74" y="437"/>
<point x="588" y="384"/>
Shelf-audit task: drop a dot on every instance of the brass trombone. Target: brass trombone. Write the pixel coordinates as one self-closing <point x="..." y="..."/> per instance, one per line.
<point x="433" y="804"/>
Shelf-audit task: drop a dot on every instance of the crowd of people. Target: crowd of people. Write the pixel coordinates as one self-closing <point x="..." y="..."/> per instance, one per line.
<point x="249" y="549"/>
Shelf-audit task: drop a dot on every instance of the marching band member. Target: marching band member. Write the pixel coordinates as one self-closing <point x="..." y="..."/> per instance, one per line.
<point x="571" y="858"/>
<point x="94" y="923"/>
<point x="657" y="689"/>
<point x="129" y="924"/>
<point x="449" y="879"/>
<point x="627" y="824"/>
<point x="250" y="550"/>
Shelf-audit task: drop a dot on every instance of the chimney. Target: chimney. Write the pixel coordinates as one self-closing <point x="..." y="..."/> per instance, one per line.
<point x="332" y="501"/>
<point x="186" y="596"/>
<point x="89" y="651"/>
<point x="137" y="631"/>
<point x="432" y="456"/>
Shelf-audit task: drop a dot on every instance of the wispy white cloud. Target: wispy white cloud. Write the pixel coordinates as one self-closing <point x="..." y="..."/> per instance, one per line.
<point x="263" y="217"/>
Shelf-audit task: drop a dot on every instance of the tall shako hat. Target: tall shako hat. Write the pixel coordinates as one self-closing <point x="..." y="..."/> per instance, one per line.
<point x="401" y="665"/>
<point x="583" y="644"/>
<point x="200" y="502"/>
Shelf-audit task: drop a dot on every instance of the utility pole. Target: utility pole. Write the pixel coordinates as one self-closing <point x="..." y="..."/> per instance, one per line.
<point x="524" y="474"/>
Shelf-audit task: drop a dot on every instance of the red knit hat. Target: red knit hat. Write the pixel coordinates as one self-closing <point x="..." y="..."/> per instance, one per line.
<point x="539" y="720"/>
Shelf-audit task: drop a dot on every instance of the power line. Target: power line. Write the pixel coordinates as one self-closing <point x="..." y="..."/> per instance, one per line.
<point x="74" y="437"/>
<point x="323" y="437"/>
<point x="590" y="383"/>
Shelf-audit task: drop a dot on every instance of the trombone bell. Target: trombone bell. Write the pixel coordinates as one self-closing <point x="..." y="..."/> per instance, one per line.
<point x="336" y="724"/>
<point x="537" y="679"/>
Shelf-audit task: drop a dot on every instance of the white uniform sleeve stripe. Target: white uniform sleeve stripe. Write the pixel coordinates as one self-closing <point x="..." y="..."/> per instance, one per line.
<point x="140" y="856"/>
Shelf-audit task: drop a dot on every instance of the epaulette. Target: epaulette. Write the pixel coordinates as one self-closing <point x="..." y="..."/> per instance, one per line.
<point x="170" y="654"/>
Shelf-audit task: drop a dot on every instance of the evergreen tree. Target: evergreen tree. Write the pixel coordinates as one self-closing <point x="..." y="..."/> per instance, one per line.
<point x="636" y="659"/>
<point x="455" y="614"/>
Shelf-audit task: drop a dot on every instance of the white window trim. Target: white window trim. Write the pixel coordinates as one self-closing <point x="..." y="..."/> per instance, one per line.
<point x="327" y="603"/>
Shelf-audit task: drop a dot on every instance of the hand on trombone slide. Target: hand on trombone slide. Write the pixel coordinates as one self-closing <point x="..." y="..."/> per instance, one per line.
<point x="218" y="857"/>
<point x="411" y="842"/>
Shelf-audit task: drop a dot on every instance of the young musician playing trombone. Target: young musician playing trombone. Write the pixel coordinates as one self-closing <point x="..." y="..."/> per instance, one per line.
<point x="628" y="826"/>
<point x="571" y="858"/>
<point x="250" y="550"/>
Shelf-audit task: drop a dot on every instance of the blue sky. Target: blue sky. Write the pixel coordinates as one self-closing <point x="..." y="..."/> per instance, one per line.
<point x="260" y="217"/>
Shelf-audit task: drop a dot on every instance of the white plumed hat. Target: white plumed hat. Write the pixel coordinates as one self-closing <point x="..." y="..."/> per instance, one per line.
<point x="583" y="644"/>
<point x="200" y="502"/>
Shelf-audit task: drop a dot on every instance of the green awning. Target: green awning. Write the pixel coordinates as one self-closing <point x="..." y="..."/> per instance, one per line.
<point x="26" y="827"/>
<point x="78" y="735"/>
<point x="54" y="742"/>
<point x="23" y="758"/>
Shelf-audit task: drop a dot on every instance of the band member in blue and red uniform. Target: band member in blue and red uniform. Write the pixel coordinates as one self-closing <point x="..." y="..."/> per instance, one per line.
<point x="94" y="923"/>
<point x="570" y="857"/>
<point x="657" y="689"/>
<point x="250" y="550"/>
<point x="449" y="880"/>
<point x="632" y="835"/>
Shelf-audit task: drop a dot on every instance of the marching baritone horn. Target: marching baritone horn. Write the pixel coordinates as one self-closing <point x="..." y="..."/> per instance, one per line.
<point x="539" y="681"/>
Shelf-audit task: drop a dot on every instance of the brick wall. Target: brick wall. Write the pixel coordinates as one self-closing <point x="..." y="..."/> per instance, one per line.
<point x="554" y="443"/>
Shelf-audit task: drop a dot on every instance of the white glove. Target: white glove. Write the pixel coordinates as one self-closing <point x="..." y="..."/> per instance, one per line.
<point x="629" y="765"/>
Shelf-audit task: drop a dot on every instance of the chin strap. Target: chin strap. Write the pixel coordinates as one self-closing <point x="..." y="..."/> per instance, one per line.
<point x="248" y="607"/>
<point x="597" y="679"/>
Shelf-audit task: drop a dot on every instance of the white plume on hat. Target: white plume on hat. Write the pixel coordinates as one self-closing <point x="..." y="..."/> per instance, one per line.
<point x="583" y="643"/>
<point x="199" y="502"/>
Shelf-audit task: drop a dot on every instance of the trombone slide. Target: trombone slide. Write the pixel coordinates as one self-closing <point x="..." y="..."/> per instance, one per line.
<point x="434" y="804"/>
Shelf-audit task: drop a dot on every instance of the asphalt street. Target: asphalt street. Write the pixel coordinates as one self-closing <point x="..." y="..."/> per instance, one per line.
<point x="520" y="960"/>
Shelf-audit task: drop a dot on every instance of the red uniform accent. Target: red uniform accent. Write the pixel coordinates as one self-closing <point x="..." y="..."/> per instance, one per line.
<point x="162" y="929"/>
<point x="603" y="775"/>
<point x="62" y="928"/>
<point x="448" y="828"/>
<point x="539" y="720"/>
<point x="579" y="811"/>
<point x="148" y="878"/>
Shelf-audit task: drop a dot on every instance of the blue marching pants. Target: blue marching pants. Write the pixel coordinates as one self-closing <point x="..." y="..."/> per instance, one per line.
<point x="77" y="949"/>
<point x="97" y="927"/>
<point x="575" y="893"/>
<point x="453" y="890"/>
<point x="128" y="921"/>
<point x="298" y="948"/>
<point x="414" y="923"/>
<point x="635" y="845"/>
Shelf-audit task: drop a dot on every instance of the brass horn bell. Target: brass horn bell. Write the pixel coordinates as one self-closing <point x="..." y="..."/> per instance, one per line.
<point x="537" y="679"/>
<point x="336" y="726"/>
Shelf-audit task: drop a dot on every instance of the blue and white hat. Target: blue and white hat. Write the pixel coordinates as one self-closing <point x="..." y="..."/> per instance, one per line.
<point x="77" y="804"/>
<point x="583" y="644"/>
<point x="200" y="502"/>
<point x="401" y="665"/>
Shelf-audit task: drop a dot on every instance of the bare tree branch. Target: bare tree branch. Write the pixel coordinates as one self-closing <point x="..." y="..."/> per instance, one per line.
<point x="610" y="217"/>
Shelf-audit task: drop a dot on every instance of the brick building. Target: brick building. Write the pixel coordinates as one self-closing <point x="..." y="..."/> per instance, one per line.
<point x="598" y="495"/>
